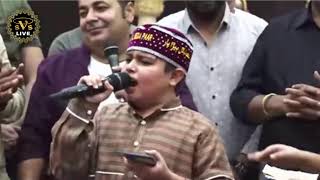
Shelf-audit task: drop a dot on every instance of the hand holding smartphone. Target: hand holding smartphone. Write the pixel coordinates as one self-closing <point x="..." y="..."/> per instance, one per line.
<point x="138" y="158"/>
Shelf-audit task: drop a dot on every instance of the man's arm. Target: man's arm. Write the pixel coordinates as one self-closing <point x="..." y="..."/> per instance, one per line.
<point x="12" y="101"/>
<point x="10" y="80"/>
<point x="310" y="162"/>
<point x="35" y="136"/>
<point x="31" y="169"/>
<point x="12" y="98"/>
<point x="31" y="57"/>
<point x="264" y="107"/>
<point x="301" y="101"/>
<point x="249" y="101"/>
<point x="9" y="116"/>
<point x="249" y="88"/>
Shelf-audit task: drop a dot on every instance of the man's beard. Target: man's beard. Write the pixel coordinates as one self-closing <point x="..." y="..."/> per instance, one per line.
<point x="205" y="10"/>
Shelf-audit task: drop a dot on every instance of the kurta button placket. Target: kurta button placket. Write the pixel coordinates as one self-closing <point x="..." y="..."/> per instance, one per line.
<point x="136" y="143"/>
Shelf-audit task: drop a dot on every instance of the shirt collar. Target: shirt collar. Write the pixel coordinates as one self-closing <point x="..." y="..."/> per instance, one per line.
<point x="304" y="18"/>
<point x="172" y="105"/>
<point x="187" y="23"/>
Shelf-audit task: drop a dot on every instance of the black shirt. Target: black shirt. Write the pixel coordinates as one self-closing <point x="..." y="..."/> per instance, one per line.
<point x="286" y="53"/>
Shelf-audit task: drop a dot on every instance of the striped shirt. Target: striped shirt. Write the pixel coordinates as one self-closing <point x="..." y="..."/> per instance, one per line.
<point x="188" y="142"/>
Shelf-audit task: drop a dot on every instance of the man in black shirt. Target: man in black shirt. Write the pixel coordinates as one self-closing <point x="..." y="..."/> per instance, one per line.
<point x="286" y="54"/>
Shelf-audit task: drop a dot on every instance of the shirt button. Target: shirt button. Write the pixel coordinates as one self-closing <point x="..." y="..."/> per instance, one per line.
<point x="130" y="174"/>
<point x="143" y="123"/>
<point x="136" y="143"/>
<point x="213" y="96"/>
<point x="212" y="68"/>
<point x="121" y="100"/>
<point x="89" y="112"/>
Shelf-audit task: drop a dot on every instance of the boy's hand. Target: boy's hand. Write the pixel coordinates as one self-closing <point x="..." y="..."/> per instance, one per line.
<point x="158" y="172"/>
<point x="97" y="81"/>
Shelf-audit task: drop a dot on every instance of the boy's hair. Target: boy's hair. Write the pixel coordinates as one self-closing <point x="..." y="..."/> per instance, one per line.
<point x="169" y="67"/>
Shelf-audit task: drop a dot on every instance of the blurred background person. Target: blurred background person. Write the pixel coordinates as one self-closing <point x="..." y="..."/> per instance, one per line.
<point x="67" y="40"/>
<point x="30" y="54"/>
<point x="277" y="97"/>
<point x="12" y="101"/>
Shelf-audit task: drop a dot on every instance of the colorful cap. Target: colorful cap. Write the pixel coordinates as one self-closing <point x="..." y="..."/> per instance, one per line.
<point x="166" y="43"/>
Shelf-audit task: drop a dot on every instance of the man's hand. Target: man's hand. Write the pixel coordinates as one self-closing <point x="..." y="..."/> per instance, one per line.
<point x="10" y="80"/>
<point x="9" y="135"/>
<point x="158" y="172"/>
<point x="307" y="100"/>
<point x="279" y="155"/>
<point x="277" y="105"/>
<point x="96" y="81"/>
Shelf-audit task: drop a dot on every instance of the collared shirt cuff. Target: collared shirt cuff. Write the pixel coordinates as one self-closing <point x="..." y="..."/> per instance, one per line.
<point x="82" y="110"/>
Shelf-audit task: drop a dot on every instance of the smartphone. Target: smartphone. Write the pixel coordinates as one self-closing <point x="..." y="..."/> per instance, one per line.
<point x="138" y="158"/>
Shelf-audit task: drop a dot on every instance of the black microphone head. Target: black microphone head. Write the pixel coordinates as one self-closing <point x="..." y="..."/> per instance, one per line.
<point x="111" y="50"/>
<point x="111" y="53"/>
<point x="121" y="81"/>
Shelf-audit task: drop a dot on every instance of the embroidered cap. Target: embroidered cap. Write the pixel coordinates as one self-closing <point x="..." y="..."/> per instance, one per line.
<point x="165" y="43"/>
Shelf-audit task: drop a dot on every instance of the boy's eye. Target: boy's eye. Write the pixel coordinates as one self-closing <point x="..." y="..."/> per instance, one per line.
<point x="145" y="62"/>
<point x="128" y="60"/>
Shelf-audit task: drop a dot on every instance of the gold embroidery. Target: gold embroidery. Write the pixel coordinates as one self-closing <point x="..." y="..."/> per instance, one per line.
<point x="143" y="36"/>
<point x="172" y="46"/>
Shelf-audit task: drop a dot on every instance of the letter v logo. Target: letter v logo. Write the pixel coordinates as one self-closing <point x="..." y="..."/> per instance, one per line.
<point x="23" y="26"/>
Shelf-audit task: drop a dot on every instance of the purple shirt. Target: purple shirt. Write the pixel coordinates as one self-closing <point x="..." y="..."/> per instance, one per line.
<point x="55" y="73"/>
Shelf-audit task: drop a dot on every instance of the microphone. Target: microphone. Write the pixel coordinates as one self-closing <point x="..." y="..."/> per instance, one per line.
<point x="112" y="55"/>
<point x="119" y="81"/>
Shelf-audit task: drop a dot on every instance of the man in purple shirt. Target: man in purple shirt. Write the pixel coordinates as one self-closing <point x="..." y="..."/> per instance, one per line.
<point x="102" y="22"/>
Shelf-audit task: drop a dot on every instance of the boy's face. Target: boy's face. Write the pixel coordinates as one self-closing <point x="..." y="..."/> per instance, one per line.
<point x="148" y="71"/>
<point x="103" y="21"/>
